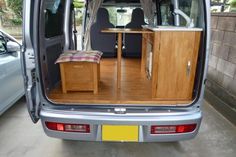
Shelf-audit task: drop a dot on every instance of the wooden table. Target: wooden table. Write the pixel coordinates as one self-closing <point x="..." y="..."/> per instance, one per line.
<point x="120" y="32"/>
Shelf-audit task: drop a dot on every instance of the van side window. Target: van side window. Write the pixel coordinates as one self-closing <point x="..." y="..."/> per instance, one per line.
<point x="54" y="17"/>
<point x="2" y="45"/>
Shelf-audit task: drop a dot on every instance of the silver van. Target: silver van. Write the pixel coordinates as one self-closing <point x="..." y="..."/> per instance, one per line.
<point x="136" y="71"/>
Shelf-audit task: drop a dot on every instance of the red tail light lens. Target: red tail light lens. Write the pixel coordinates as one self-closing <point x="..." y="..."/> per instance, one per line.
<point x="172" y="129"/>
<point x="81" y="128"/>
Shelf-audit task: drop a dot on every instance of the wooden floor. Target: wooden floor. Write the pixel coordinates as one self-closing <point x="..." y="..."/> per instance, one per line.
<point x="135" y="87"/>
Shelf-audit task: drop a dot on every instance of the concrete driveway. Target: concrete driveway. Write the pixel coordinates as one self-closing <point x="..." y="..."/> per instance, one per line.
<point x="19" y="137"/>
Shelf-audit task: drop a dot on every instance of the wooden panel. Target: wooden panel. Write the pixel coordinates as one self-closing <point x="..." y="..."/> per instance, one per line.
<point x="155" y="58"/>
<point x="119" y="52"/>
<point x="79" y="76"/>
<point x="144" y="53"/>
<point x="95" y="78"/>
<point x="150" y="38"/>
<point x="63" y="78"/>
<point x="172" y="81"/>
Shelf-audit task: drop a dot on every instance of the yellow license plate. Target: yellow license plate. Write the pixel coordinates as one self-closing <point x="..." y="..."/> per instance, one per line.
<point x="121" y="133"/>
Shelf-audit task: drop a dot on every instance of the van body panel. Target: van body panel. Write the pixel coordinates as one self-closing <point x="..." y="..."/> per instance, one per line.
<point x="143" y="120"/>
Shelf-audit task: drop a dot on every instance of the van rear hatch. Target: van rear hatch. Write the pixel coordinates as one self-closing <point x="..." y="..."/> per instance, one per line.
<point x="167" y="69"/>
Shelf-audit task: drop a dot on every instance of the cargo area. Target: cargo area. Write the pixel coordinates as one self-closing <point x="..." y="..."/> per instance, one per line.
<point x="140" y="65"/>
<point x="135" y="87"/>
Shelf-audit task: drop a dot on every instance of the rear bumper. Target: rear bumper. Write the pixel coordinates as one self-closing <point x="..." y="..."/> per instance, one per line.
<point x="143" y="120"/>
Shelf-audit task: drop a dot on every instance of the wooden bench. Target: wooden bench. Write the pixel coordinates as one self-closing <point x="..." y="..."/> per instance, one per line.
<point x="80" y="70"/>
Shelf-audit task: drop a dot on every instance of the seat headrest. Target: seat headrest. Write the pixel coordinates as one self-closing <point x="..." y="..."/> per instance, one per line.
<point x="138" y="16"/>
<point x="102" y="15"/>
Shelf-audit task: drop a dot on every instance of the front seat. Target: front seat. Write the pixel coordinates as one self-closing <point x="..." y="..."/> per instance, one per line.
<point x="133" y="42"/>
<point x="104" y="42"/>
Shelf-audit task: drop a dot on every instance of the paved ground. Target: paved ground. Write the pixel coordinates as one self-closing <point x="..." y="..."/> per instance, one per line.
<point x="19" y="137"/>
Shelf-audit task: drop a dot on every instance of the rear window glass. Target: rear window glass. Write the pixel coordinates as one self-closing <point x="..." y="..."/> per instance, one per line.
<point x="120" y="16"/>
<point x="54" y="17"/>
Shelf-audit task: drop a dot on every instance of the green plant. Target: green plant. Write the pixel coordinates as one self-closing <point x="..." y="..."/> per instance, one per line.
<point x="78" y="4"/>
<point x="16" y="21"/>
<point x="16" y="7"/>
<point x="79" y="21"/>
<point x="232" y="3"/>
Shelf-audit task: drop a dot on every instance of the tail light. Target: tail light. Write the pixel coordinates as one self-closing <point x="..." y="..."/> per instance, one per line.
<point x="63" y="127"/>
<point x="172" y="129"/>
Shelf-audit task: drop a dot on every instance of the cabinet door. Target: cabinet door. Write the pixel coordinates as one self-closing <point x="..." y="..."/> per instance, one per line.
<point x="176" y="65"/>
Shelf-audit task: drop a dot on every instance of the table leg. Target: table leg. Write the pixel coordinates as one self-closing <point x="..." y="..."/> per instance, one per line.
<point x="119" y="52"/>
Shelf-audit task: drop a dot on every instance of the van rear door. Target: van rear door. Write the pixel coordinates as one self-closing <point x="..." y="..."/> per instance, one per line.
<point x="51" y="40"/>
<point x="43" y="42"/>
<point x="28" y="59"/>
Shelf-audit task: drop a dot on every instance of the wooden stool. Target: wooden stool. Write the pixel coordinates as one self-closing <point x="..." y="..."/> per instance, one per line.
<point x="80" y="76"/>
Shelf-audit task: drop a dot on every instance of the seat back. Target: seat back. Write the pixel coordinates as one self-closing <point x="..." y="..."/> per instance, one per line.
<point x="104" y="42"/>
<point x="133" y="42"/>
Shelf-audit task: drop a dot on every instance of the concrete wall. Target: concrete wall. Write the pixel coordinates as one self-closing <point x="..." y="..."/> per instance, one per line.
<point x="222" y="59"/>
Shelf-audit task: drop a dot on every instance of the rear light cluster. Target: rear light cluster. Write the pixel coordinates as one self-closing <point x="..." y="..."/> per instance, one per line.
<point x="172" y="129"/>
<point x="63" y="127"/>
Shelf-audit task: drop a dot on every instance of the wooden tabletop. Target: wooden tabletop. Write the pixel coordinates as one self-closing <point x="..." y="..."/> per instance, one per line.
<point x="126" y="30"/>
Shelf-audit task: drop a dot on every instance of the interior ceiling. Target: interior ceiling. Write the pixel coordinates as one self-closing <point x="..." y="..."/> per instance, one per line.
<point x="122" y="1"/>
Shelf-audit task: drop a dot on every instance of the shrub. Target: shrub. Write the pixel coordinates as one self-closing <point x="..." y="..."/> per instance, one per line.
<point x="16" y="21"/>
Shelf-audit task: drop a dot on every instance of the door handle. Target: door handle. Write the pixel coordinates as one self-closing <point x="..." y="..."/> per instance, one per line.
<point x="188" y="68"/>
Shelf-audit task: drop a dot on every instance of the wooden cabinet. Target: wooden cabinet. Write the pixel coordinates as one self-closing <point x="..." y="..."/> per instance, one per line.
<point x="175" y="56"/>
